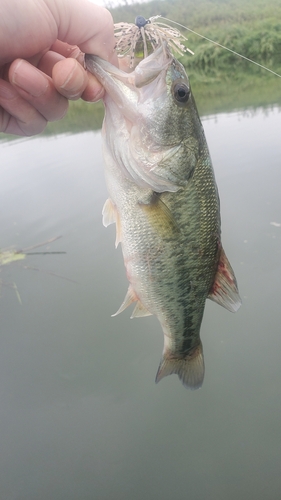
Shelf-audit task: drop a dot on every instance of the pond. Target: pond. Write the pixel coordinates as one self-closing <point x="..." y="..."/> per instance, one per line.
<point x="80" y="415"/>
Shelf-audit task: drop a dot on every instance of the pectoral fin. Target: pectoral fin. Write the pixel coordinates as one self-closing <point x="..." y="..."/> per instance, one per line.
<point x="159" y="215"/>
<point x="224" y="290"/>
<point x="108" y="213"/>
<point x="111" y="216"/>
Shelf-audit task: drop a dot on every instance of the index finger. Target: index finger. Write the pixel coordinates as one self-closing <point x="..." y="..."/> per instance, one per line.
<point x="67" y="50"/>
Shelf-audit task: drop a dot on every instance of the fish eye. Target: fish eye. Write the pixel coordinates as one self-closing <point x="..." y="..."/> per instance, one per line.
<point x="181" y="92"/>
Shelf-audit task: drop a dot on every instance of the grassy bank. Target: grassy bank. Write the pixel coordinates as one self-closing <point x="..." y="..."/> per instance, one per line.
<point x="81" y="116"/>
<point x="249" y="27"/>
<point x="220" y="80"/>
<point x="219" y="92"/>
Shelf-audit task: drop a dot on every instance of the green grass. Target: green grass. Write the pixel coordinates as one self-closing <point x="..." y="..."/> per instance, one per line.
<point x="81" y="116"/>
<point x="220" y="80"/>
<point x="250" y="27"/>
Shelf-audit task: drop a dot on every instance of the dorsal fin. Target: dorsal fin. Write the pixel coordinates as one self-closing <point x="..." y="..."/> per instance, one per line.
<point x="224" y="290"/>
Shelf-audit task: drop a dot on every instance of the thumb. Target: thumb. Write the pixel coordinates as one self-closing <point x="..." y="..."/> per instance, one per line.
<point x="85" y="24"/>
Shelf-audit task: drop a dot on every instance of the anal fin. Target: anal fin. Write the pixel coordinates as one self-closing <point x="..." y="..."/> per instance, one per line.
<point x="224" y="290"/>
<point x="129" y="299"/>
<point x="140" y="311"/>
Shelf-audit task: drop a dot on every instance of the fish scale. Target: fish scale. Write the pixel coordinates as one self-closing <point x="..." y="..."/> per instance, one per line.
<point x="165" y="204"/>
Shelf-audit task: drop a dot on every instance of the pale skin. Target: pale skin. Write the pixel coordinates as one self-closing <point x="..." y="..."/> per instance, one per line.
<point x="41" y="59"/>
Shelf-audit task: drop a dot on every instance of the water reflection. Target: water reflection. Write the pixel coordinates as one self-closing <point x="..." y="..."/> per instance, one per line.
<point x="80" y="416"/>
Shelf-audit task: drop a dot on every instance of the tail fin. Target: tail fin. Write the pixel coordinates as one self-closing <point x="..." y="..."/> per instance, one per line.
<point x="190" y="369"/>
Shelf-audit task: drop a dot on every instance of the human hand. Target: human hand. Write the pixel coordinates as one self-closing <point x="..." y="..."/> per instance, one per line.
<point x="41" y="66"/>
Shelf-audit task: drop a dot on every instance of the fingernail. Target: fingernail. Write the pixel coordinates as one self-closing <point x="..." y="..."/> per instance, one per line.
<point x="75" y="53"/>
<point x="99" y="95"/>
<point x="75" y="79"/>
<point x="30" y="79"/>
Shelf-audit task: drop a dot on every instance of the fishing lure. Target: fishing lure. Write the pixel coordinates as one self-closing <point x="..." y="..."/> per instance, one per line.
<point x="146" y="35"/>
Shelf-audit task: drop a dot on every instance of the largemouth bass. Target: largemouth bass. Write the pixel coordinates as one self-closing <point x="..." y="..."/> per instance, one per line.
<point x="165" y="204"/>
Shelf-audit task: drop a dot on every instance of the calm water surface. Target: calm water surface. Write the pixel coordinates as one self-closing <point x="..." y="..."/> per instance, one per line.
<point x="80" y="415"/>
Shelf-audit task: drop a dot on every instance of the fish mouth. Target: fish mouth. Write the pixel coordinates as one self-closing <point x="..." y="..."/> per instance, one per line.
<point x="145" y="72"/>
<point x="128" y="99"/>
